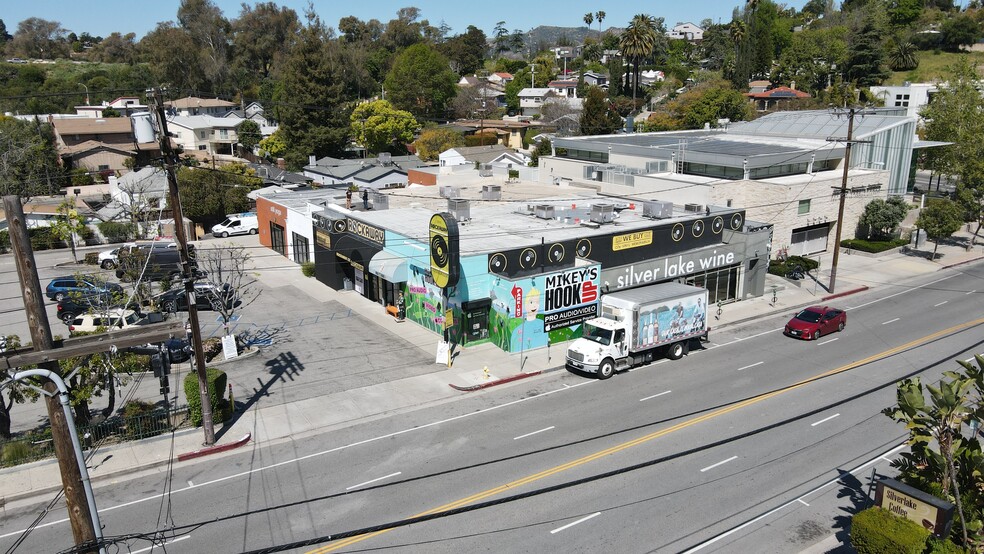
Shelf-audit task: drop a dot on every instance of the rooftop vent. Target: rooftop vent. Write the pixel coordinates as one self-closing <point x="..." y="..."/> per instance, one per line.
<point x="602" y="212"/>
<point x="693" y="207"/>
<point x="544" y="211"/>
<point x="491" y="192"/>
<point x="385" y="158"/>
<point x="657" y="210"/>
<point x="459" y="208"/>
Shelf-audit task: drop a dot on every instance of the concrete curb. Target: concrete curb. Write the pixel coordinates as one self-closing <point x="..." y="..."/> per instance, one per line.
<point x="502" y="381"/>
<point x="958" y="264"/>
<point x="213" y="449"/>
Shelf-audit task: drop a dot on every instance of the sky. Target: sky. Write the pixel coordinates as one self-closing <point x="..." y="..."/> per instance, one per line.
<point x="102" y="17"/>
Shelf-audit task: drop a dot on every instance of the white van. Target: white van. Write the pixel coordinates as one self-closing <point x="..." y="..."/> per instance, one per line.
<point x="237" y="224"/>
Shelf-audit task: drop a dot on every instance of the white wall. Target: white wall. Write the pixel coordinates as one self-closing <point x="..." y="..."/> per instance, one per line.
<point x="299" y="221"/>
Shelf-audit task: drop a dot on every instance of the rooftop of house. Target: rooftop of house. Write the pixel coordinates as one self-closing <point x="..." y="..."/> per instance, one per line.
<point x="90" y="126"/>
<point x="196" y="102"/>
<point x="204" y="121"/>
<point x="779" y="92"/>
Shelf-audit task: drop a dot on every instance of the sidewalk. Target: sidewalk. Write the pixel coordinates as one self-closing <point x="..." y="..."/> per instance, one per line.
<point x="473" y="368"/>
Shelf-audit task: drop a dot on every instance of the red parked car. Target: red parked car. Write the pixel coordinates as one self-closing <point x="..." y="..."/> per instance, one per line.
<point x="815" y="321"/>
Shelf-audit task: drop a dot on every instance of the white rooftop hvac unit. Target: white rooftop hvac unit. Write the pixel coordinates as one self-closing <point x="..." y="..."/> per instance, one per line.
<point x="657" y="210"/>
<point x="602" y="212"/>
<point x="544" y="211"/>
<point x="693" y="207"/>
<point x="491" y="192"/>
<point x="450" y="192"/>
<point x="380" y="201"/>
<point x="485" y="170"/>
<point x="459" y="208"/>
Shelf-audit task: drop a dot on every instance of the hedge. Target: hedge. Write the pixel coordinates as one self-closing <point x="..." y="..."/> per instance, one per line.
<point x="216" y="383"/>
<point x="115" y="231"/>
<point x="878" y="531"/>
<point x="779" y="268"/>
<point x="873" y="246"/>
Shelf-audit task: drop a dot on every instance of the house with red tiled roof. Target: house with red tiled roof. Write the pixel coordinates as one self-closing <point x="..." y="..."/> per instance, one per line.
<point x="771" y="98"/>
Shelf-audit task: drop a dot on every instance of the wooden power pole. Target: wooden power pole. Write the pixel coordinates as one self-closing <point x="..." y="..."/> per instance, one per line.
<point x="157" y="96"/>
<point x="79" y="514"/>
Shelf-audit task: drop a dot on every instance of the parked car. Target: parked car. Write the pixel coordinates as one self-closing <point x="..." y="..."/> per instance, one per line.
<point x="151" y="264"/>
<point x="109" y="259"/>
<point x="815" y="321"/>
<point x="208" y="296"/>
<point x="86" y="285"/>
<point x="73" y="306"/>
<point x="118" y="318"/>
<point x="237" y="224"/>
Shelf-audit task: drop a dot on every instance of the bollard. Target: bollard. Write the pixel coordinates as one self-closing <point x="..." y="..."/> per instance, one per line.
<point x="232" y="401"/>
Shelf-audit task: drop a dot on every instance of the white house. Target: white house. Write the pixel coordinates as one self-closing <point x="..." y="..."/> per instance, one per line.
<point x="911" y="96"/>
<point x="124" y="105"/>
<point x="686" y="31"/>
<point x="215" y="136"/>
<point x="493" y="154"/>
<point x="564" y="87"/>
<point x="193" y="105"/>
<point x="531" y="99"/>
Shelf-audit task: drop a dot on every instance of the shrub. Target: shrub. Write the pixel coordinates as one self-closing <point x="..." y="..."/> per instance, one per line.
<point x="307" y="268"/>
<point x="777" y="267"/>
<point x="877" y="531"/>
<point x="211" y="347"/>
<point x="873" y="246"/>
<point x="143" y="419"/>
<point x="943" y="546"/>
<point x="42" y="238"/>
<point x="4" y="241"/>
<point x="17" y="452"/>
<point x="115" y="231"/>
<point x="216" y="383"/>
<point x="514" y="174"/>
<point x="91" y="258"/>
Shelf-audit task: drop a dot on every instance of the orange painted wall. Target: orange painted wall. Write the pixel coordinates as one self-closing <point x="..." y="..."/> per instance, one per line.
<point x="421" y="178"/>
<point x="267" y="212"/>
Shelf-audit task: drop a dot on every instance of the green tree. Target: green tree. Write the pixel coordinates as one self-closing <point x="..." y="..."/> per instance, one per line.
<point x="312" y="76"/>
<point x="421" y="82"/>
<point x="167" y="49"/>
<point x="379" y="127"/>
<point x="884" y="216"/>
<point x="262" y="36"/>
<point x="715" y="100"/>
<point x="210" y="32"/>
<point x="466" y="52"/>
<point x="588" y="19"/>
<point x="274" y="145"/>
<point x="208" y="195"/>
<point x="39" y="38"/>
<point x="116" y="48"/>
<point x="959" y="31"/>
<point x="940" y="219"/>
<point x="543" y="148"/>
<point x="68" y="224"/>
<point x="956" y="115"/>
<point x="865" y="64"/>
<point x="29" y="164"/>
<point x="811" y="58"/>
<point x="597" y="116"/>
<point x="902" y="56"/>
<point x="639" y="42"/>
<point x="434" y="140"/>
<point x="249" y="134"/>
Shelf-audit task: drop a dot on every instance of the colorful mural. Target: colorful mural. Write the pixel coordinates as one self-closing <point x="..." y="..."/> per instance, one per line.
<point x="532" y="312"/>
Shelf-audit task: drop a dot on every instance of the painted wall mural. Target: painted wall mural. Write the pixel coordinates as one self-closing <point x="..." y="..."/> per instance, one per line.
<point x="534" y="311"/>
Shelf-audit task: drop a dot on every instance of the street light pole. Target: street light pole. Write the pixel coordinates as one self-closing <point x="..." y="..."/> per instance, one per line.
<point x="86" y="93"/>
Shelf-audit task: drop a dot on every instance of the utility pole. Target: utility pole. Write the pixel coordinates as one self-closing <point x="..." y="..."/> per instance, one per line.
<point x="79" y="510"/>
<point x="843" y="194"/>
<point x="157" y="96"/>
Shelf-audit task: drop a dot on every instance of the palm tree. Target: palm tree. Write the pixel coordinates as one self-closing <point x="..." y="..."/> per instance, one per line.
<point x="637" y="43"/>
<point x="600" y="16"/>
<point x="588" y="19"/>
<point x="902" y="56"/>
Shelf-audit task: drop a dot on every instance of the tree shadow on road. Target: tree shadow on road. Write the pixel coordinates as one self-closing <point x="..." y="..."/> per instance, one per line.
<point x="857" y="493"/>
<point x="285" y="366"/>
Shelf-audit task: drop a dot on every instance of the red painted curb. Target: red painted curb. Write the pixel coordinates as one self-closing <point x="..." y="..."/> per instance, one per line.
<point x="845" y="293"/>
<point x="516" y="377"/>
<point x="213" y="449"/>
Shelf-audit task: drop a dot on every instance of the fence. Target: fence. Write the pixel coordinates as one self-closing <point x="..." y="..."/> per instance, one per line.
<point x="116" y="429"/>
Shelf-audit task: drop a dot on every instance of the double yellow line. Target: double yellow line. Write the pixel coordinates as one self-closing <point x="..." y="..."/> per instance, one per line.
<point x="655" y="435"/>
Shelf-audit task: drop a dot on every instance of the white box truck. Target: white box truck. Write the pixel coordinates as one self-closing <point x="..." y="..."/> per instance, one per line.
<point x="236" y="224"/>
<point x="638" y="325"/>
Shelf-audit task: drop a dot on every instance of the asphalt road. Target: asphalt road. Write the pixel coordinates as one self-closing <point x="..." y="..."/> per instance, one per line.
<point x="661" y="459"/>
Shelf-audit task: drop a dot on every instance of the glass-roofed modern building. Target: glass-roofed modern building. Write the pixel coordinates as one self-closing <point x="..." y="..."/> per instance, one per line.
<point x="785" y="168"/>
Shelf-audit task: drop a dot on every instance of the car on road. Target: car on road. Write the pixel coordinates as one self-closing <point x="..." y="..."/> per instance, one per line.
<point x="208" y="296"/>
<point x="73" y="306"/>
<point x="813" y="322"/>
<point x="245" y="223"/>
<point x="86" y="285"/>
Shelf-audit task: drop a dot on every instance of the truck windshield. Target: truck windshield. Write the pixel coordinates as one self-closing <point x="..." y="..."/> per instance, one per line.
<point x="601" y="336"/>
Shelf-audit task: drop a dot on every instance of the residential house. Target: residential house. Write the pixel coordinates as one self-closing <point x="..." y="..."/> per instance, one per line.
<point x="911" y="96"/>
<point x="775" y="97"/>
<point x="759" y="86"/>
<point x="469" y="81"/>
<point x="103" y="144"/>
<point x="686" y="31"/>
<point x="193" y="105"/>
<point x="144" y="191"/>
<point x="208" y="135"/>
<point x="385" y="171"/>
<point x="124" y="105"/>
<point x="494" y="154"/>
<point x="566" y="88"/>
<point x="596" y="79"/>
<point x="501" y="78"/>
<point x="531" y="99"/>
<point x="509" y="131"/>
<point x="254" y="112"/>
<point x="278" y="175"/>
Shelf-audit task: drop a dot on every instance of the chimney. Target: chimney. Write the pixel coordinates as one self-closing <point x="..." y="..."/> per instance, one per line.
<point x="312" y="160"/>
<point x="281" y="163"/>
<point x="792" y="85"/>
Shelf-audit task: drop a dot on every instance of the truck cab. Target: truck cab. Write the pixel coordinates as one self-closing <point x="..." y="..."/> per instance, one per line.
<point x="605" y="341"/>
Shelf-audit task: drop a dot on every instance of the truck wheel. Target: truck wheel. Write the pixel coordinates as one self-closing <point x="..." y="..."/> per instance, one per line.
<point x="606" y="369"/>
<point x="675" y="351"/>
<point x="225" y="234"/>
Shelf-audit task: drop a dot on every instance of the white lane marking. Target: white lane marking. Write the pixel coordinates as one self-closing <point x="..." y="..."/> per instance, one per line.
<point x="906" y="291"/>
<point x="722" y="462"/>
<point x="533" y="433"/>
<point x="940" y="304"/>
<point x="891" y="321"/>
<point x="802" y="502"/>
<point x="573" y="523"/>
<point x="655" y="395"/>
<point x="748" y="366"/>
<point x="371" y="481"/>
<point x="190" y="484"/>
<point x="149" y="548"/>
<point x="730" y="532"/>
<point x="824" y="420"/>
<point x="826" y="341"/>
<point x="971" y="292"/>
<point x="314" y="455"/>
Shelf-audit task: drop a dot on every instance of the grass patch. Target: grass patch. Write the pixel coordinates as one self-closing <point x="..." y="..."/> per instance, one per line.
<point x="932" y="66"/>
